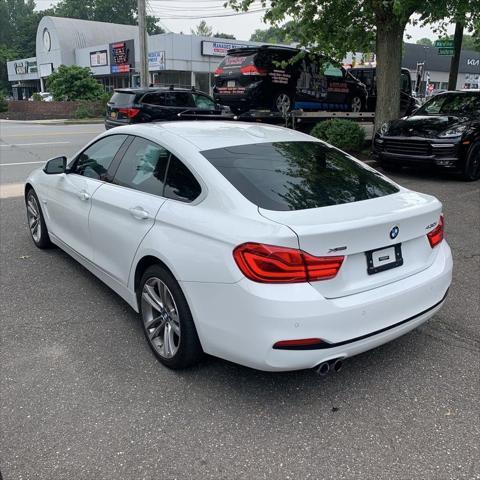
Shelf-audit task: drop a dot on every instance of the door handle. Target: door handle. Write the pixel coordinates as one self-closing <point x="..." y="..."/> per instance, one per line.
<point x="83" y="195"/>
<point x="139" y="213"/>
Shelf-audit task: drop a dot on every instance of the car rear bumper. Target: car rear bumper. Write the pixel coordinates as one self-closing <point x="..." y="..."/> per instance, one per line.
<point x="241" y="322"/>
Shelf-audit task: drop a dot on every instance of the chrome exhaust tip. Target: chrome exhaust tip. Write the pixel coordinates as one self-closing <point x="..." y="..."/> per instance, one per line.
<point x="322" y="369"/>
<point x="337" y="365"/>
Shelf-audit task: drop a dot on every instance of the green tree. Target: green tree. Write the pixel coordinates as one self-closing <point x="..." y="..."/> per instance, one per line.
<point x="202" y="30"/>
<point x="110" y="11"/>
<point x="276" y="34"/>
<point x="336" y="27"/>
<point x="74" y="83"/>
<point x="6" y="54"/>
<point x="224" y="35"/>
<point x="425" y="41"/>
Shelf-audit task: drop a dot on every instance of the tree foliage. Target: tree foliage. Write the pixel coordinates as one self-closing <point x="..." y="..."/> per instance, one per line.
<point x="110" y="11"/>
<point x="276" y="34"/>
<point x="202" y="30"/>
<point x="74" y="83"/>
<point x="224" y="35"/>
<point x="425" y="41"/>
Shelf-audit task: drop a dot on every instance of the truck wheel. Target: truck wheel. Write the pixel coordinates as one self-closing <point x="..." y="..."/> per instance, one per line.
<point x="282" y="102"/>
<point x="356" y="104"/>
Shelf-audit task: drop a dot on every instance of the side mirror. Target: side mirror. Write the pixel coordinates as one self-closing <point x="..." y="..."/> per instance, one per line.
<point x="55" y="166"/>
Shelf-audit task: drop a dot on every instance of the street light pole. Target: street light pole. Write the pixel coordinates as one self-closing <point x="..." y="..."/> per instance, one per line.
<point x="142" y="36"/>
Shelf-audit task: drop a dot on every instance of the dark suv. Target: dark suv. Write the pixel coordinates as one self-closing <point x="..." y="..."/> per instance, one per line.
<point x="141" y="105"/>
<point x="280" y="79"/>
<point x="368" y="76"/>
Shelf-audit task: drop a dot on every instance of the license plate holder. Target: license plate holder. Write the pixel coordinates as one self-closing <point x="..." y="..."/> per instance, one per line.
<point x="384" y="258"/>
<point x="231" y="83"/>
<point x="113" y="115"/>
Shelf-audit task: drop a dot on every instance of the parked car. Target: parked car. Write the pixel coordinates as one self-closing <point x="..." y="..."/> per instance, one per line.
<point x="45" y="96"/>
<point x="368" y="76"/>
<point x="142" y="105"/>
<point x="444" y="132"/>
<point x="267" y="77"/>
<point x="253" y="243"/>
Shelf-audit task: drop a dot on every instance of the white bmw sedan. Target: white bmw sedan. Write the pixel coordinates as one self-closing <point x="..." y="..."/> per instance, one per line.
<point x="253" y="243"/>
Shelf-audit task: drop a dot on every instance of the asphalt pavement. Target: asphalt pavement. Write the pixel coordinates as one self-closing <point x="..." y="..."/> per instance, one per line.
<point x="82" y="397"/>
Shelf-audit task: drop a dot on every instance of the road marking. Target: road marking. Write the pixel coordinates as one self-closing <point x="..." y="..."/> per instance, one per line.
<point x="30" y="144"/>
<point x="45" y="134"/>
<point x="20" y="163"/>
<point x="9" y="190"/>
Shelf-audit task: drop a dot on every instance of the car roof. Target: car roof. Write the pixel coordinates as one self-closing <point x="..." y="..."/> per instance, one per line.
<point x="211" y="134"/>
<point x="257" y="48"/>
<point x="156" y="89"/>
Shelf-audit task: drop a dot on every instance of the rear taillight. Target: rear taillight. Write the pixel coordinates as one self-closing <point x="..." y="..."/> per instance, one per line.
<point x="253" y="70"/>
<point x="271" y="264"/>
<point x="129" y="112"/>
<point x="436" y="235"/>
<point x="297" y="344"/>
<point x="218" y="72"/>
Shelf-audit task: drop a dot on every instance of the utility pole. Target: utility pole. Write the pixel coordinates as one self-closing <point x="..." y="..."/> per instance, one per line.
<point x="142" y="36"/>
<point x="457" y="50"/>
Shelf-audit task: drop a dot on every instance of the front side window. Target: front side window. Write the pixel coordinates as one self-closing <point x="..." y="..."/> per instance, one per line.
<point x="94" y="161"/>
<point x="143" y="167"/>
<point x="181" y="184"/>
<point x="297" y="175"/>
<point x="202" y="101"/>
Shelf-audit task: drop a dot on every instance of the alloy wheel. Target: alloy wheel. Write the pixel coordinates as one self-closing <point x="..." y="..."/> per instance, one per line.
<point x="356" y="104"/>
<point x="283" y="103"/>
<point x="33" y="216"/>
<point x="160" y="317"/>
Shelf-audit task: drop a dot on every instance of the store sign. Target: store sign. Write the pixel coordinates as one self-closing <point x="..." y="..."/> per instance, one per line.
<point x="99" y="59"/>
<point x="25" y="67"/>
<point x="122" y="56"/>
<point x="473" y="62"/>
<point x="156" y="61"/>
<point x="219" y="49"/>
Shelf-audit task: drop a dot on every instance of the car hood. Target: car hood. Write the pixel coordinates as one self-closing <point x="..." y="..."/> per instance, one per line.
<point x="424" y="125"/>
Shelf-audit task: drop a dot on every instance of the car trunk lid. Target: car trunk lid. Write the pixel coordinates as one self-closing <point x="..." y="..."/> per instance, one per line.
<point x="366" y="233"/>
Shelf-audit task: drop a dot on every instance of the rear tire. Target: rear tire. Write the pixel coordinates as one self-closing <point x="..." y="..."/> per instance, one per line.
<point x="36" y="221"/>
<point x="166" y="319"/>
<point x="282" y="102"/>
<point x="471" y="171"/>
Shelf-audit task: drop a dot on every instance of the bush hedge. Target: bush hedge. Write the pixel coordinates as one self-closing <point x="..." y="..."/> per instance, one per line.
<point x="3" y="104"/>
<point x="344" y="134"/>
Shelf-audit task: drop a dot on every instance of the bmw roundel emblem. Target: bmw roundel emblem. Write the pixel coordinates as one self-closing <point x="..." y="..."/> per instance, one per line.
<point x="394" y="232"/>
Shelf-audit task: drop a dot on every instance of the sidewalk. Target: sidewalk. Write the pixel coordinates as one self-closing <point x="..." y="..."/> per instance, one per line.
<point x="60" y="121"/>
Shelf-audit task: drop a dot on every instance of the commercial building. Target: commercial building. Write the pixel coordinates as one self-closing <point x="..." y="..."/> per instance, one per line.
<point x="111" y="52"/>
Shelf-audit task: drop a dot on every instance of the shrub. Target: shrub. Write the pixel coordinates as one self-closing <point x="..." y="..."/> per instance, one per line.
<point x="36" y="97"/>
<point x="3" y="104"/>
<point x="84" y="111"/>
<point x="343" y="134"/>
<point x="74" y="83"/>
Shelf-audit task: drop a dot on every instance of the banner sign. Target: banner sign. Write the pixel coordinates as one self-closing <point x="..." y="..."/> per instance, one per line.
<point x="219" y="49"/>
<point x="25" y="67"/>
<point x="122" y="56"/>
<point x="99" y="59"/>
<point x="156" y="60"/>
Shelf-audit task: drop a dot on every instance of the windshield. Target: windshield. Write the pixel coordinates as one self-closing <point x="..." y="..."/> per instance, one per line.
<point x="297" y="175"/>
<point x="452" y="104"/>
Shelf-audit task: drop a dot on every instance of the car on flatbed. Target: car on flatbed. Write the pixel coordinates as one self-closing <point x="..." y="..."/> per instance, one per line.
<point x="284" y="78"/>
<point x="152" y="104"/>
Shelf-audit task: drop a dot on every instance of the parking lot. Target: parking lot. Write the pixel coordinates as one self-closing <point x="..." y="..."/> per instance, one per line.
<point x="82" y="396"/>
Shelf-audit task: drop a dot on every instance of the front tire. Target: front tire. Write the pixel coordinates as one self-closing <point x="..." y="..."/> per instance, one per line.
<point x="471" y="171"/>
<point x="36" y="221"/>
<point x="167" y="321"/>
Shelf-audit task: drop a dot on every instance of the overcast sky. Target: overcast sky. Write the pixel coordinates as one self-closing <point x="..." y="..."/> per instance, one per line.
<point x="182" y="15"/>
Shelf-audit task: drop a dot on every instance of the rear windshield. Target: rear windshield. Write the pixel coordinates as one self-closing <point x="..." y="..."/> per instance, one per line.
<point x="122" y="98"/>
<point x="297" y="175"/>
<point x="237" y="61"/>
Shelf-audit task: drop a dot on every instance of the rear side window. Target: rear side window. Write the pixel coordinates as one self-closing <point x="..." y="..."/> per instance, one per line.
<point x="94" y="161"/>
<point x="143" y="167"/>
<point x="297" y="175"/>
<point x="122" y="98"/>
<point x="154" y="99"/>
<point x="181" y="184"/>
<point x="179" y="99"/>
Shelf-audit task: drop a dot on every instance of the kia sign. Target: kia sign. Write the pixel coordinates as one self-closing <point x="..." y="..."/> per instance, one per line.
<point x="219" y="49"/>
